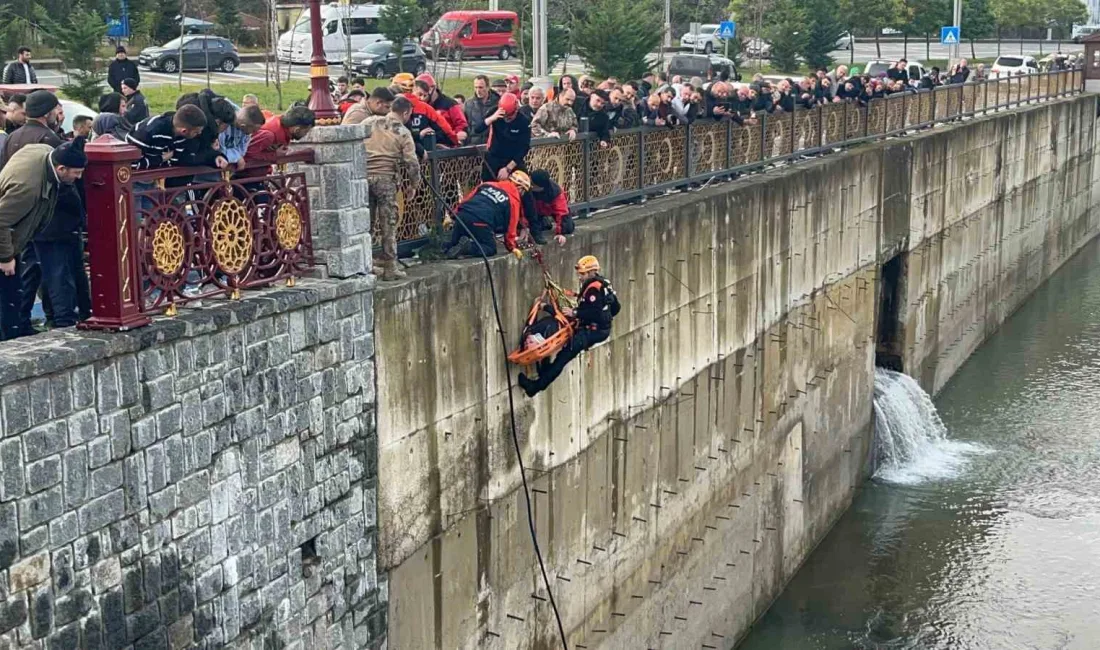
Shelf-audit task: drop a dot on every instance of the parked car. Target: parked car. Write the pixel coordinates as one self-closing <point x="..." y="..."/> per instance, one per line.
<point x="197" y="53"/>
<point x="470" y="34"/>
<point x="708" y="40"/>
<point x="756" y="48"/>
<point x="1010" y="66"/>
<point x="845" y="41"/>
<point x="379" y="60"/>
<point x="345" y="27"/>
<point x="1081" y="31"/>
<point x="72" y="111"/>
<point x="707" y="66"/>
<point x="879" y="67"/>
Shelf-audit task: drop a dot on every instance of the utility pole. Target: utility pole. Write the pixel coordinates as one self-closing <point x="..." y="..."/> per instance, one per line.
<point x="539" y="28"/>
<point x="958" y="23"/>
<point x="494" y="5"/>
<point x="668" y="24"/>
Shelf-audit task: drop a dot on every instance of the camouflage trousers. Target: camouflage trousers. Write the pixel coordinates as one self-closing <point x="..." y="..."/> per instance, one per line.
<point x="383" y="210"/>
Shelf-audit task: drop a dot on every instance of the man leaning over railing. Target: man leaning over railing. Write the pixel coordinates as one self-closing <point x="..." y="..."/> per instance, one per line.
<point x="273" y="138"/>
<point x="162" y="138"/>
<point x="29" y="186"/>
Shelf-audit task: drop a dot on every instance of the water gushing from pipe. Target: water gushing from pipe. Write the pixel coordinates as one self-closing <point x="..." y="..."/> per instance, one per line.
<point x="911" y="443"/>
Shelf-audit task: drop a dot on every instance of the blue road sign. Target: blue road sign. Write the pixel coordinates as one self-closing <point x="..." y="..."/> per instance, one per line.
<point x="727" y="30"/>
<point x="949" y="35"/>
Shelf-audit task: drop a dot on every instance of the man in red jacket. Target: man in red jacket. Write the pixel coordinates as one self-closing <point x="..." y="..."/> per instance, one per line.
<point x="551" y="203"/>
<point x="492" y="207"/>
<point x="273" y="138"/>
<point x="448" y="109"/>
<point x="426" y="120"/>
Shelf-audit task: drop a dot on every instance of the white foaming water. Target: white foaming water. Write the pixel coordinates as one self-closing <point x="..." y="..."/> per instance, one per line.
<point x="911" y="444"/>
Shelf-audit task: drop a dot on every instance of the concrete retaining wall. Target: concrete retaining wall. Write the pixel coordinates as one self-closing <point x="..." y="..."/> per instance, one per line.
<point x="681" y="472"/>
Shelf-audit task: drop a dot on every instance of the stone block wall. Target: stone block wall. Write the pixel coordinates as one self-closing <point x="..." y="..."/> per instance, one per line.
<point x="207" y="481"/>
<point x="338" y="199"/>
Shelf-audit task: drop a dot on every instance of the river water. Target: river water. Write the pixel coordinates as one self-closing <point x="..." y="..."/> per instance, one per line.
<point x="986" y="538"/>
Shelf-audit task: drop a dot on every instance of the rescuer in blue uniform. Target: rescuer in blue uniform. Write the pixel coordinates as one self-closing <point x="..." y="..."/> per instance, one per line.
<point x="597" y="305"/>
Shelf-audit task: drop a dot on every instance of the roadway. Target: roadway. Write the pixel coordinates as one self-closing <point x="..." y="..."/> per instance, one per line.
<point x="864" y="51"/>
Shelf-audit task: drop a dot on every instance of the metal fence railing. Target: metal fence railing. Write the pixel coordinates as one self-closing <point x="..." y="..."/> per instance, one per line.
<point x="162" y="238"/>
<point x="652" y="160"/>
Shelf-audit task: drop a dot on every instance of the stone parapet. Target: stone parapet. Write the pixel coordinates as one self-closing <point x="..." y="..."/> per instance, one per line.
<point x="337" y="182"/>
<point x="206" y="481"/>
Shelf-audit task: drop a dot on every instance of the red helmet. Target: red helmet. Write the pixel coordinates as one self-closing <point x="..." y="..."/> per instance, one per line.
<point x="509" y="104"/>
<point x="427" y="78"/>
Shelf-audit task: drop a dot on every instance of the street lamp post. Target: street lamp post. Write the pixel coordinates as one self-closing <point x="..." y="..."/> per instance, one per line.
<point x="320" y="98"/>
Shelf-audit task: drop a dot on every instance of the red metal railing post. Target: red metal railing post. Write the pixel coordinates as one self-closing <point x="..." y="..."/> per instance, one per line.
<point x="112" y="237"/>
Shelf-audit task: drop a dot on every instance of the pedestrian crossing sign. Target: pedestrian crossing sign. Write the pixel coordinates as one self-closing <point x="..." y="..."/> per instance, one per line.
<point x="727" y="29"/>
<point x="949" y="35"/>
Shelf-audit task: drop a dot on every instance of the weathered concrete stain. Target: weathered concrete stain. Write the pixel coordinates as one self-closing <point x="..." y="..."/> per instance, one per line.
<point x="682" y="471"/>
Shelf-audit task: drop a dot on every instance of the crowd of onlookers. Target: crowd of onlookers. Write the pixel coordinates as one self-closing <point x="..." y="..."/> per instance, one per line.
<point x="581" y="103"/>
<point x="42" y="240"/>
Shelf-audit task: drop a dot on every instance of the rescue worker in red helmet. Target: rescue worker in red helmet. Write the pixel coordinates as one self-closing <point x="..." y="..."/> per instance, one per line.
<point x="491" y="207"/>
<point x="448" y="109"/>
<point x="425" y="119"/>
<point x="509" y="140"/>
<point x="597" y="306"/>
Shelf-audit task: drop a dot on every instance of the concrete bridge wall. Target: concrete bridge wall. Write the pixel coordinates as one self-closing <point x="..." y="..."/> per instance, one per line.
<point x="681" y="472"/>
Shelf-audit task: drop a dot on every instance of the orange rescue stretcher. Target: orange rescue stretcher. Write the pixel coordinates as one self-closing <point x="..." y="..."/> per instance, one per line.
<point x="549" y="302"/>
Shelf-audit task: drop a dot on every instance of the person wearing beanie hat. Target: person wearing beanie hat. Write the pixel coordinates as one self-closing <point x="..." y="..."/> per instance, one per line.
<point x="59" y="244"/>
<point x="43" y="115"/>
<point x="29" y="187"/>
<point x="120" y="69"/>
<point x="136" y="108"/>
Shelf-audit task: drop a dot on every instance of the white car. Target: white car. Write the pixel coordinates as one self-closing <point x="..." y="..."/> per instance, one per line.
<point x="756" y="48"/>
<point x="708" y="39"/>
<point x="879" y="67"/>
<point x="72" y="111"/>
<point x="1011" y="66"/>
<point x="845" y="41"/>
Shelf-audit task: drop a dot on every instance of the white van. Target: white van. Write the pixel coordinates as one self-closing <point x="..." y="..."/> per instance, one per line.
<point x="339" y="24"/>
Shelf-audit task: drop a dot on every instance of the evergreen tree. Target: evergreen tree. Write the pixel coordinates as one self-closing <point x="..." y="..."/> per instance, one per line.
<point x="76" y="40"/>
<point x="787" y="30"/>
<point x="822" y="29"/>
<point x="400" y="20"/>
<point x="616" y="37"/>
<point x="228" y="17"/>
<point x="166" y="26"/>
<point x="977" y="22"/>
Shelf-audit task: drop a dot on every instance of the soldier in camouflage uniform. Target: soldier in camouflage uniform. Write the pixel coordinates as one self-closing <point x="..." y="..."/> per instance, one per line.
<point x="389" y="149"/>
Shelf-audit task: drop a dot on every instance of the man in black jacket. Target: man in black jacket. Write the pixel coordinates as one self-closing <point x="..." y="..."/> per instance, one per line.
<point x="900" y="72"/>
<point x="597" y="306"/>
<point x="598" y="120"/>
<point x="16" y="113"/>
<point x="136" y="108"/>
<point x="509" y="140"/>
<point x="162" y="138"/>
<point x="960" y="73"/>
<point x="21" y="71"/>
<point x="43" y="110"/>
<point x="122" y="68"/>
<point x="478" y="108"/>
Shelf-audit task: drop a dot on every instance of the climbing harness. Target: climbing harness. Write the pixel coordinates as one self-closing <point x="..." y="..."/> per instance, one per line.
<point x="551" y="299"/>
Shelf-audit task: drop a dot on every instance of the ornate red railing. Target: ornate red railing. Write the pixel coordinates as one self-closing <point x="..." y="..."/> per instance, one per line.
<point x="161" y="238"/>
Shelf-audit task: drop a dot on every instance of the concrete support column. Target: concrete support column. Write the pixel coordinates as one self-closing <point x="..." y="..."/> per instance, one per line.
<point x="339" y="214"/>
